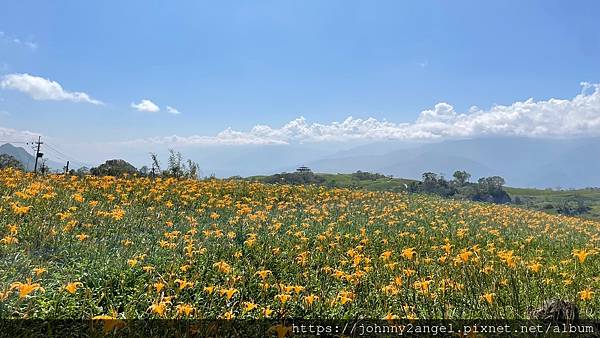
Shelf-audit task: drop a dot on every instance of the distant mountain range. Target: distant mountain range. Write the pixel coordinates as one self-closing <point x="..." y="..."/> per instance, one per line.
<point x="523" y="162"/>
<point x="25" y="157"/>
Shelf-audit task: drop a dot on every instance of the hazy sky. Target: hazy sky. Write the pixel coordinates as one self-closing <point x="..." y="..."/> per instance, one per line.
<point x="146" y="73"/>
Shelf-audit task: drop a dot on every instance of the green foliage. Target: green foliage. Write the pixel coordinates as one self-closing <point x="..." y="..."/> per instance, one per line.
<point x="114" y="168"/>
<point x="490" y="189"/>
<point x="434" y="184"/>
<point x="358" y="180"/>
<point x="461" y="177"/>
<point x="573" y="208"/>
<point x="176" y="168"/>
<point x="81" y="171"/>
<point x="581" y="202"/>
<point x="117" y="240"/>
<point x="487" y="189"/>
<point x="8" y="161"/>
<point x="305" y="177"/>
<point x="363" y="176"/>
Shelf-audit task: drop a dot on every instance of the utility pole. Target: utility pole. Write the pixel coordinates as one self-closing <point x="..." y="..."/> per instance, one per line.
<point x="37" y="153"/>
<point x="67" y="168"/>
<point x="44" y="168"/>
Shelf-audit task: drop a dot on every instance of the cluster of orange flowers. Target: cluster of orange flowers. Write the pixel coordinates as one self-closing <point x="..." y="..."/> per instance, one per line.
<point x="235" y="249"/>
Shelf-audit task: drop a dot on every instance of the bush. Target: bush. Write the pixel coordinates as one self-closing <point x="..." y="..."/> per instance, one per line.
<point x="114" y="168"/>
<point x="573" y="208"/>
<point x="295" y="178"/>
<point x="487" y="189"/>
<point x="364" y="176"/>
<point x="8" y="161"/>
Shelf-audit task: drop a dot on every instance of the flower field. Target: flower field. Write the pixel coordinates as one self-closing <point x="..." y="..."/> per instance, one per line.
<point x="139" y="248"/>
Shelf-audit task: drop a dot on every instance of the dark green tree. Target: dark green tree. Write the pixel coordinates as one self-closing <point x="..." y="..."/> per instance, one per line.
<point x="8" y="161"/>
<point x="82" y="171"/>
<point x="461" y="177"/>
<point x="490" y="189"/>
<point x="114" y="168"/>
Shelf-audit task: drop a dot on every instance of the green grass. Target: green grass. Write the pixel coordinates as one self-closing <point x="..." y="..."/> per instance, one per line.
<point x="538" y="199"/>
<point x="349" y="181"/>
<point x="137" y="248"/>
<point x="380" y="184"/>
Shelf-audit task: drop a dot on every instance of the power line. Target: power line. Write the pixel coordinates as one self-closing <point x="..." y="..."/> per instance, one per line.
<point x="65" y="156"/>
<point x="58" y="151"/>
<point x="53" y="148"/>
<point x="57" y="155"/>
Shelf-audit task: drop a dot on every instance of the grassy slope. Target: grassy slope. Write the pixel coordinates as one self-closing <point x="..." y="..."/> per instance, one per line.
<point x="380" y="184"/>
<point x="536" y="198"/>
<point x="348" y="181"/>
<point x="364" y="255"/>
<point x="539" y="197"/>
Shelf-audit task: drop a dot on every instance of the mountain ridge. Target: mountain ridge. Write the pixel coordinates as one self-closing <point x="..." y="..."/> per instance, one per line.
<point x="525" y="162"/>
<point x="27" y="159"/>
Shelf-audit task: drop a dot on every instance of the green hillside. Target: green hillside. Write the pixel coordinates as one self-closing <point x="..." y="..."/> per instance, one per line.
<point x="582" y="202"/>
<point x="18" y="153"/>
<point x="379" y="183"/>
<point x="550" y="200"/>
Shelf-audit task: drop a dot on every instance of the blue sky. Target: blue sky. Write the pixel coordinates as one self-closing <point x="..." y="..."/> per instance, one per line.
<point x="239" y="64"/>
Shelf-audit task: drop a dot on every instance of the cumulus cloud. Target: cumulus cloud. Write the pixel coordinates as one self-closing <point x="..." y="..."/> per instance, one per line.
<point x="146" y="106"/>
<point x="172" y="110"/>
<point x="42" y="89"/>
<point x="575" y="117"/>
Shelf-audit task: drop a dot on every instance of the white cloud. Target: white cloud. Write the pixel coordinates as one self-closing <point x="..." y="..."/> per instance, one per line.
<point x="146" y="106"/>
<point x="172" y="110"/>
<point x="226" y="137"/>
<point x="42" y="89"/>
<point x="13" y="135"/>
<point x="576" y="117"/>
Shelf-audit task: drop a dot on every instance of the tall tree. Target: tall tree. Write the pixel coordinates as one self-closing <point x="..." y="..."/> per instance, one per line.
<point x="461" y="177"/>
